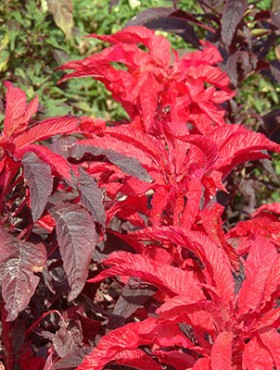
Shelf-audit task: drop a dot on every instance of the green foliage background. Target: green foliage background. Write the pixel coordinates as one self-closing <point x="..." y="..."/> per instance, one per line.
<point x="32" y="46"/>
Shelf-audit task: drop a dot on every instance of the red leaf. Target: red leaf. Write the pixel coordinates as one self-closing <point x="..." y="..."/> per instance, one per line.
<point x="272" y="285"/>
<point x="271" y="207"/>
<point x="138" y="359"/>
<point x="57" y="163"/>
<point x="271" y="339"/>
<point x="218" y="271"/>
<point x="221" y="354"/>
<point x="258" y="264"/>
<point x="212" y="222"/>
<point x="40" y="182"/>
<point x="261" y="226"/>
<point x="122" y="159"/>
<point x="46" y="129"/>
<point x="18" y="112"/>
<point x="111" y="345"/>
<point x="170" y="279"/>
<point x="159" y="46"/>
<point x="256" y="356"/>
<point x="236" y="145"/>
<point x="77" y="238"/>
<point x="18" y="262"/>
<point x="203" y="364"/>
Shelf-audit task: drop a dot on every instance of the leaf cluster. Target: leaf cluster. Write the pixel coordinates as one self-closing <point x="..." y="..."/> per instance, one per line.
<point x="117" y="248"/>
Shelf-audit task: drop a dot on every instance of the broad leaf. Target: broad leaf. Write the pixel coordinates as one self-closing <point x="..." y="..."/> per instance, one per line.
<point x="19" y="260"/>
<point x="218" y="269"/>
<point x="57" y="163"/>
<point x="271" y="339"/>
<point x="137" y="359"/>
<point x="17" y="112"/>
<point x="256" y="356"/>
<point x="127" y="164"/>
<point x="133" y="296"/>
<point x="222" y="351"/>
<point x="148" y="14"/>
<point x="91" y="196"/>
<point x="232" y="15"/>
<point x="77" y="238"/>
<point x="62" y="11"/>
<point x="128" y="337"/>
<point x="48" y="128"/>
<point x="172" y="280"/>
<point x="39" y="179"/>
<point x="258" y="264"/>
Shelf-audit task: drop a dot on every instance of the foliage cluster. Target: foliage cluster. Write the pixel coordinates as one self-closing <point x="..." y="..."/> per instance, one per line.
<point x="144" y="197"/>
<point x="124" y="242"/>
<point x="36" y="38"/>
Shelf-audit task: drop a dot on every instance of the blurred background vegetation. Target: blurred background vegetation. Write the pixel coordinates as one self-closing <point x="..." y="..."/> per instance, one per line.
<point x="37" y="36"/>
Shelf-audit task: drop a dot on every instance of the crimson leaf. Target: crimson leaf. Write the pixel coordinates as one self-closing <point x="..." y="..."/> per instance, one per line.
<point x="18" y="262"/>
<point x="77" y="238"/>
<point x="40" y="182"/>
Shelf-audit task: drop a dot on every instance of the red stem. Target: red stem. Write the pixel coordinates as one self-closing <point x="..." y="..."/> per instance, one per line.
<point x="7" y="339"/>
<point x="32" y="326"/>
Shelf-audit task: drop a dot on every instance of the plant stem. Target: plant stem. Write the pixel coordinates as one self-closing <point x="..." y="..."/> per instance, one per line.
<point x="7" y="339"/>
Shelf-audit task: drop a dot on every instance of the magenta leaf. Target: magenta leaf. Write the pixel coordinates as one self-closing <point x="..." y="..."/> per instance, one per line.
<point x="77" y="238"/>
<point x="18" y="262"/>
<point x="91" y="196"/>
<point x="40" y="181"/>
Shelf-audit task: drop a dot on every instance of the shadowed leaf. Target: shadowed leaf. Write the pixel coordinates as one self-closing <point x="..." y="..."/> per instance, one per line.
<point x="40" y="181"/>
<point x="18" y="262"/>
<point x="128" y="165"/>
<point x="232" y="15"/>
<point x="91" y="197"/>
<point x="77" y="238"/>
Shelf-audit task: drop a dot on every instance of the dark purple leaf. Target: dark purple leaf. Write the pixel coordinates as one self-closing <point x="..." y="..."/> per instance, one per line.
<point x="40" y="181"/>
<point x="271" y="125"/>
<point x="73" y="359"/>
<point x="148" y="15"/>
<point x="232" y="15"/>
<point x="67" y="339"/>
<point x="77" y="238"/>
<point x="128" y="165"/>
<point x="176" y="25"/>
<point x="230" y="67"/>
<point x="134" y="295"/>
<point x="91" y="196"/>
<point x="69" y="149"/>
<point x="18" y="262"/>
<point x="275" y="70"/>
